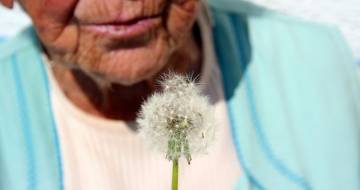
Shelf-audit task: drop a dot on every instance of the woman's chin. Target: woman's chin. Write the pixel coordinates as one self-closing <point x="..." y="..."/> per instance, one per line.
<point x="135" y="74"/>
<point x="132" y="67"/>
<point x="126" y="66"/>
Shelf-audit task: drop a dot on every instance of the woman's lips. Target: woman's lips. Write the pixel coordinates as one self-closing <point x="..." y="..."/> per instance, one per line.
<point x="125" y="30"/>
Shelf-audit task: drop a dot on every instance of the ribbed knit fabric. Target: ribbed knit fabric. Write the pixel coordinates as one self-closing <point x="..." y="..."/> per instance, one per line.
<point x="106" y="154"/>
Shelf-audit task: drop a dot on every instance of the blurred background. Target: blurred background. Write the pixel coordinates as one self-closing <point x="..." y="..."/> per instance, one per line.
<point x="11" y="21"/>
<point x="343" y="13"/>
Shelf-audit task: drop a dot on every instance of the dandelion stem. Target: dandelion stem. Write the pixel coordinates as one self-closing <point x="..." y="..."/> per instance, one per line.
<point x="175" y="174"/>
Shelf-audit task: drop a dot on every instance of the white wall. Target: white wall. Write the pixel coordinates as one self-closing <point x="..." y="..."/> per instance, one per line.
<point x="11" y="21"/>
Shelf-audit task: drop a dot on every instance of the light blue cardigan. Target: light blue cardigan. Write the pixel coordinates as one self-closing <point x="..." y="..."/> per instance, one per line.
<point x="293" y="100"/>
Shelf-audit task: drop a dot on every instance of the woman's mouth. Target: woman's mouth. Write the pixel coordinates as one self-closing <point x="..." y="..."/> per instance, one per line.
<point x="125" y="30"/>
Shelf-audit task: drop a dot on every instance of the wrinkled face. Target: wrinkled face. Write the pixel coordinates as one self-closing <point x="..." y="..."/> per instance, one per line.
<point x="121" y="40"/>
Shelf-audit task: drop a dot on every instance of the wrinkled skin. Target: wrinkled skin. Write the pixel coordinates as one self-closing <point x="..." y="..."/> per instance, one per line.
<point x="107" y="76"/>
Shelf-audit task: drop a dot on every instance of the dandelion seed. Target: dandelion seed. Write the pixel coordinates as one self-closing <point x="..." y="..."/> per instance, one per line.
<point x="177" y="121"/>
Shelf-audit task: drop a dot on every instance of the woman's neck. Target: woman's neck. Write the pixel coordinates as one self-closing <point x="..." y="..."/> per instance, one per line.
<point x="115" y="101"/>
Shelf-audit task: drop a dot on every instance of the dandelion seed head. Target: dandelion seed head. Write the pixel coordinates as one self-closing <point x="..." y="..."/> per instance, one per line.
<point x="179" y="120"/>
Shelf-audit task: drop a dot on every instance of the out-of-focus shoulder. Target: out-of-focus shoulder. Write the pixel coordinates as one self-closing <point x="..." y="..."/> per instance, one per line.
<point x="253" y="12"/>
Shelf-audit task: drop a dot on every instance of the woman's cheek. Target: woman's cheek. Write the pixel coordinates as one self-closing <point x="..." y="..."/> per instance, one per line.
<point x="181" y="18"/>
<point x="53" y="20"/>
<point x="59" y="10"/>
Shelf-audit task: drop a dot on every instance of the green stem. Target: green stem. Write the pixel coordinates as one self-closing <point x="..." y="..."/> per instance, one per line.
<point x="175" y="175"/>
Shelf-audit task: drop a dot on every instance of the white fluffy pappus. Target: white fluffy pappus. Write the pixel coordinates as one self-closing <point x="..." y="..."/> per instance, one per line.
<point x="178" y="121"/>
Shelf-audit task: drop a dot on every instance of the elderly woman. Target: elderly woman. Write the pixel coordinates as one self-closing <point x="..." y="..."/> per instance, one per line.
<point x="285" y="93"/>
